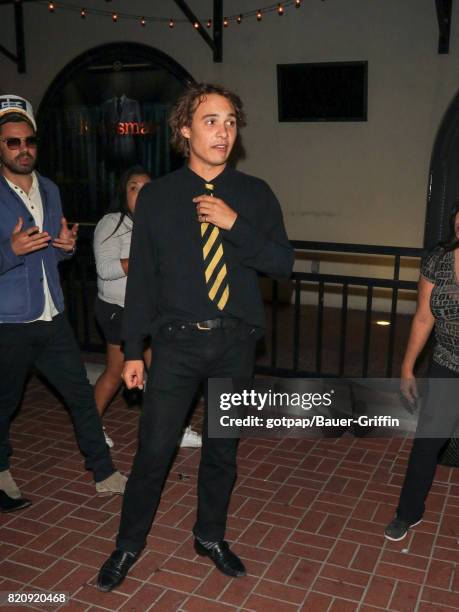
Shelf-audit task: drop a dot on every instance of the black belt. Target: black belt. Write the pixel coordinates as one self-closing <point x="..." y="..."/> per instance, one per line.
<point x="221" y="323"/>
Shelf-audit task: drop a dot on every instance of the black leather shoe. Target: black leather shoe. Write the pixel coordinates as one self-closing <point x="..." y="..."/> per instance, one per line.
<point x="114" y="570"/>
<point x="225" y="560"/>
<point x="9" y="504"/>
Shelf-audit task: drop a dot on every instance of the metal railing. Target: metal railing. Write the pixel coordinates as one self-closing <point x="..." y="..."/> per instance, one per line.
<point x="286" y="317"/>
<point x="344" y="284"/>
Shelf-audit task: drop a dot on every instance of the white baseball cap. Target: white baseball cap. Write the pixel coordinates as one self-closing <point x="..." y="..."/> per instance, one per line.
<point x="12" y="104"/>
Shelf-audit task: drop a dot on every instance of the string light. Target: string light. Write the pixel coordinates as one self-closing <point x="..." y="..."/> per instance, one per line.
<point x="278" y="7"/>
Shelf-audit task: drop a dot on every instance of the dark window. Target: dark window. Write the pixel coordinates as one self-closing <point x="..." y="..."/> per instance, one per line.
<point x="322" y="92"/>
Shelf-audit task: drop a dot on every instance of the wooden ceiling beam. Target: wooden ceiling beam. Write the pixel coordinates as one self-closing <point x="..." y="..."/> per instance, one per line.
<point x="20" y="57"/>
<point x="444" y="10"/>
<point x="215" y="43"/>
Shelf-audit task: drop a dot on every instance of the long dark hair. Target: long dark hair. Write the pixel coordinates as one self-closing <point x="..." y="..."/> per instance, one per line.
<point x="120" y="203"/>
<point x="452" y="242"/>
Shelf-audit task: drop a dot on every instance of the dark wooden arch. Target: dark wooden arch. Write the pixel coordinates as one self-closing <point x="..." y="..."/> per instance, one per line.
<point x="105" y="53"/>
<point x="112" y="58"/>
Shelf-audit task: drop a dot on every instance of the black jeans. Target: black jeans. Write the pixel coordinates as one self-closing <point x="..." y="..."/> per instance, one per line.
<point x="182" y="360"/>
<point x="51" y="347"/>
<point x="439" y="414"/>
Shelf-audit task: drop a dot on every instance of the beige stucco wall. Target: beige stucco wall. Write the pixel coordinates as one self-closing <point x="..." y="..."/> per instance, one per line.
<point x="343" y="182"/>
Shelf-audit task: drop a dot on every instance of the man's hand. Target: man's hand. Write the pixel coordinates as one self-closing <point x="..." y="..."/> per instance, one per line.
<point x="133" y="373"/>
<point x="216" y="211"/>
<point x="408" y="389"/>
<point x="29" y="240"/>
<point x="67" y="237"/>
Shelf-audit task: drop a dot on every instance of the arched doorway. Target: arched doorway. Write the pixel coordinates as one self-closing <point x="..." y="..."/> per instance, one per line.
<point x="104" y="112"/>
<point x="443" y="188"/>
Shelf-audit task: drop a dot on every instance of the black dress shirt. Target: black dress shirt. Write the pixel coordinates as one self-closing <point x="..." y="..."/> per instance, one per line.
<point x="166" y="270"/>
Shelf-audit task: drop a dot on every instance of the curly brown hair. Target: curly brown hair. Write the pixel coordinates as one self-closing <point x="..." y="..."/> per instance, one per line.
<point x="183" y="111"/>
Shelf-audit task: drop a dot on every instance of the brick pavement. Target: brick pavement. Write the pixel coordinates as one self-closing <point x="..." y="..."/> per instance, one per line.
<point x="306" y="517"/>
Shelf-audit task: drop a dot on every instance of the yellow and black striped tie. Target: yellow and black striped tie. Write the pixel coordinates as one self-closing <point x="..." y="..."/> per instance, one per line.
<point x="214" y="261"/>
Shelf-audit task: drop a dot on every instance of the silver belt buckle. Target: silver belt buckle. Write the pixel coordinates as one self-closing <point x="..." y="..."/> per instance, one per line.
<point x="202" y="327"/>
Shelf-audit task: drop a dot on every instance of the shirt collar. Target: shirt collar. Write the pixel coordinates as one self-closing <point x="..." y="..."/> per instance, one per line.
<point x="215" y="181"/>
<point x="33" y="187"/>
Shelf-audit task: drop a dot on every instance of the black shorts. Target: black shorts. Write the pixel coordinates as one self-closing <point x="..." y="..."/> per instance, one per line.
<point x="109" y="317"/>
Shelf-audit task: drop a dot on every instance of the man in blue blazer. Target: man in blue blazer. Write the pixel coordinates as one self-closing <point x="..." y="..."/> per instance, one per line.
<point x="34" y="238"/>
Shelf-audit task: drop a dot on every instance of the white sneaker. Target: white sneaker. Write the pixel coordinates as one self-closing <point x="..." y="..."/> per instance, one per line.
<point x="108" y="441"/>
<point x="191" y="439"/>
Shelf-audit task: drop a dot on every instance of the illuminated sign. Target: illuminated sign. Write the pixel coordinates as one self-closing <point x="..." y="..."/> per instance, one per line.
<point x="120" y="128"/>
<point x="135" y="127"/>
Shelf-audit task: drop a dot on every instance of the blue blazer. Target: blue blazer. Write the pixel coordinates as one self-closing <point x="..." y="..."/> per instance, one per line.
<point x="22" y="297"/>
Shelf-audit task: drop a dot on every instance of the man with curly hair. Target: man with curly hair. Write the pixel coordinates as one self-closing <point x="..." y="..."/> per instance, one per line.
<point x="200" y="236"/>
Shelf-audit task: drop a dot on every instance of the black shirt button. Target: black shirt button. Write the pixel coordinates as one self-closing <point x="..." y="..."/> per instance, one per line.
<point x="31" y="219"/>
<point x="41" y="279"/>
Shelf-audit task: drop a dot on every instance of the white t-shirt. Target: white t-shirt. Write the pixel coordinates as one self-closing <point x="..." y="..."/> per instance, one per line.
<point x="108" y="251"/>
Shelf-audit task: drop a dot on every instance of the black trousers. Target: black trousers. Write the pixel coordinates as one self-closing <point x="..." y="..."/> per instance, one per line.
<point x="437" y="421"/>
<point x="51" y="347"/>
<point x="182" y="360"/>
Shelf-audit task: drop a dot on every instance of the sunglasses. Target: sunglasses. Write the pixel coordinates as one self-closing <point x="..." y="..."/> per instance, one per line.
<point x="15" y="143"/>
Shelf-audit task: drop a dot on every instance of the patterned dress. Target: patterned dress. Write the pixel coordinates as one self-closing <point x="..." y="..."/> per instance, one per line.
<point x="439" y="268"/>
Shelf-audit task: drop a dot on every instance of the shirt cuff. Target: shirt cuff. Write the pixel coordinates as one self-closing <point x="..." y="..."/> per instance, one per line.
<point x="133" y="350"/>
<point x="241" y="232"/>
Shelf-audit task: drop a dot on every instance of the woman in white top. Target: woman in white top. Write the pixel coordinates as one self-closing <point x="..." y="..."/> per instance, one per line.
<point x="112" y="241"/>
